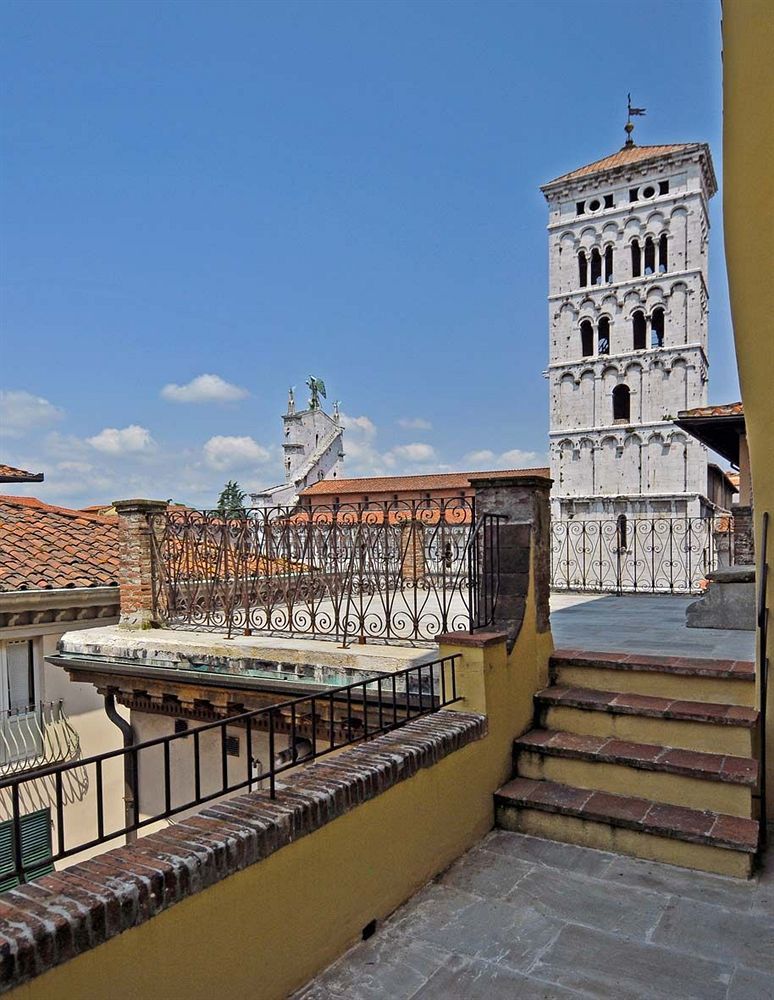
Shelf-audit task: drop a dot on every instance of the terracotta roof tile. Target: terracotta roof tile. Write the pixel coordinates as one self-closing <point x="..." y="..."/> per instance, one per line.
<point x="8" y="474"/>
<point x="43" y="547"/>
<point x="722" y="410"/>
<point x="394" y="484"/>
<point x="624" y="157"/>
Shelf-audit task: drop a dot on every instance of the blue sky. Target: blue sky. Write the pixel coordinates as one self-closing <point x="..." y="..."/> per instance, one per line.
<point x="262" y="191"/>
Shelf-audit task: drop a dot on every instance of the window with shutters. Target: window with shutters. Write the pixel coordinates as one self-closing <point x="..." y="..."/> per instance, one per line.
<point x="35" y="848"/>
<point x="17" y="675"/>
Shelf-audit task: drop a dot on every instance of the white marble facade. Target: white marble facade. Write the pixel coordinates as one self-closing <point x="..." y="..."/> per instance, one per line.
<point x="313" y="449"/>
<point x="628" y="301"/>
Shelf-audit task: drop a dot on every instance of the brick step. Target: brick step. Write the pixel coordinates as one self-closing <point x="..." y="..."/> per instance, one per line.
<point x="729" y="682"/>
<point x="639" y="827"/>
<point x="688" y="725"/>
<point x="713" y="781"/>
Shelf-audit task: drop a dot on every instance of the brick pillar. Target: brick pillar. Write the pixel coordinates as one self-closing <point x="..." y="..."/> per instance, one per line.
<point x="412" y="547"/>
<point x="135" y="573"/>
<point x="744" y="536"/>
<point x="524" y="539"/>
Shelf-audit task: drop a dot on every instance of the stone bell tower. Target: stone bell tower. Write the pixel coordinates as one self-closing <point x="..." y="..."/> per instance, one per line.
<point x="312" y="448"/>
<point x="628" y="300"/>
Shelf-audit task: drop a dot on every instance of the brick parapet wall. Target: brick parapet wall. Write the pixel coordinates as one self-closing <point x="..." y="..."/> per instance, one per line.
<point x="59" y="916"/>
<point x="135" y="572"/>
<point x="524" y="538"/>
<point x="744" y="536"/>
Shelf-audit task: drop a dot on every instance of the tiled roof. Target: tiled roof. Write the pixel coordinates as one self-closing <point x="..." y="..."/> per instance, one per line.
<point x="8" y="474"/>
<point x="44" y="547"/>
<point x="394" y="484"/>
<point x="624" y="157"/>
<point x="723" y="410"/>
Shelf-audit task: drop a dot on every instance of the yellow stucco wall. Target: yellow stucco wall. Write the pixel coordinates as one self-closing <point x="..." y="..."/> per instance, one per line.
<point x="748" y="214"/>
<point x="268" y="929"/>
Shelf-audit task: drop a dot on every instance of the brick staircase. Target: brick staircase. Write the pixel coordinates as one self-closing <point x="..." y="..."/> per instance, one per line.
<point x="644" y="755"/>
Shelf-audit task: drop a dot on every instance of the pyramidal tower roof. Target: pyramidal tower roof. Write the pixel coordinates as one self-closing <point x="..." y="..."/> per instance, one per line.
<point x="627" y="156"/>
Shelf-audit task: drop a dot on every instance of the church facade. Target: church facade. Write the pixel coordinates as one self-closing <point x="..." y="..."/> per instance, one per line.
<point x="628" y="310"/>
<point x="313" y="450"/>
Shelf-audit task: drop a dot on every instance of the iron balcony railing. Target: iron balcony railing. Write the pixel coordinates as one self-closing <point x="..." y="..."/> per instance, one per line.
<point x="391" y="571"/>
<point x="171" y="774"/>
<point x="35" y="736"/>
<point x="655" y="555"/>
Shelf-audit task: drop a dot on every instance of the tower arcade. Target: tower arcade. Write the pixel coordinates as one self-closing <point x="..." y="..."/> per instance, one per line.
<point x="628" y="300"/>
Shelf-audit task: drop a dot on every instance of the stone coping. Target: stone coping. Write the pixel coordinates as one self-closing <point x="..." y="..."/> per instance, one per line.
<point x="57" y="917"/>
<point x="177" y="645"/>
<point x="733" y="574"/>
<point x="472" y="640"/>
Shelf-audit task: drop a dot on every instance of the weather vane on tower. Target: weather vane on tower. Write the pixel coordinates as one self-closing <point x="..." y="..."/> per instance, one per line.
<point x="631" y="113"/>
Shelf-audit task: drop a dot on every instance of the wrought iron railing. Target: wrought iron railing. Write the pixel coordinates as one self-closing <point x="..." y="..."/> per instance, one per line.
<point x="35" y="736"/>
<point x="171" y="774"/>
<point x="403" y="570"/>
<point x="668" y="555"/>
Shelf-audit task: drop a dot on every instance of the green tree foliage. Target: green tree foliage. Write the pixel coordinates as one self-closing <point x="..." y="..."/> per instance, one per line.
<point x="231" y="502"/>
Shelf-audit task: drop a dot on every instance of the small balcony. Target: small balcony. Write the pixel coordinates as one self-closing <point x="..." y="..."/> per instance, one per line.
<point x="34" y="737"/>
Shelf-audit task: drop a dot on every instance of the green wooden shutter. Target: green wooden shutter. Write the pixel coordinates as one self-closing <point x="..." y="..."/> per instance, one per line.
<point x="35" y="848"/>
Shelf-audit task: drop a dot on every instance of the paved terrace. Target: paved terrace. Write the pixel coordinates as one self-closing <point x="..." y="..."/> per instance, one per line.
<point x="520" y="917"/>
<point x="642" y="623"/>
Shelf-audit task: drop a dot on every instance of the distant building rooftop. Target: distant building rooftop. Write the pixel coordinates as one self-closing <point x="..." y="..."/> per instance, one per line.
<point x="394" y="484"/>
<point x="46" y="547"/>
<point x="8" y="474"/>
<point x="719" y="427"/>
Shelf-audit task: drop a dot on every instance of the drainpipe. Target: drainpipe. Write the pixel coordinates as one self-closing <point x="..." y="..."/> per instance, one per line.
<point x="131" y="789"/>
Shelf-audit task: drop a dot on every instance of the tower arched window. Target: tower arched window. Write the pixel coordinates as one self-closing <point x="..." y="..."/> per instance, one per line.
<point x="636" y="259"/>
<point x="603" y="336"/>
<point x="596" y="267"/>
<point x="663" y="262"/>
<point x="657" y="328"/>
<point x="608" y="264"/>
<point x="650" y="256"/>
<point x="639" y="331"/>
<point x="621" y="403"/>
<point x="583" y="269"/>
<point x="587" y="338"/>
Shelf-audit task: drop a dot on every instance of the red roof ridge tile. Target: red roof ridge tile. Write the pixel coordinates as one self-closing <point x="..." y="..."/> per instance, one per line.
<point x="432" y="480"/>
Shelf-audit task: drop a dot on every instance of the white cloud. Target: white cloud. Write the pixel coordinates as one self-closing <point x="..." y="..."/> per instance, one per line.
<point x="415" y="452"/>
<point x="359" y="426"/>
<point x="415" y="424"/>
<point x="20" y="411"/>
<point x="119" y="441"/>
<point x="204" y="389"/>
<point x="223" y="452"/>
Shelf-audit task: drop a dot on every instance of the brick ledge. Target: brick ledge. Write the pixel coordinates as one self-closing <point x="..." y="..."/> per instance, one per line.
<point x="50" y="921"/>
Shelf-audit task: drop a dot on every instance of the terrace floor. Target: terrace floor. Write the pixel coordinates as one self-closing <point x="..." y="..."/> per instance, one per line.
<point x="641" y="623"/>
<point x="520" y="917"/>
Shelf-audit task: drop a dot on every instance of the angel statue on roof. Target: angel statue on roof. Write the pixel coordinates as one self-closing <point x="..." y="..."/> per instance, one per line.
<point x="316" y="388"/>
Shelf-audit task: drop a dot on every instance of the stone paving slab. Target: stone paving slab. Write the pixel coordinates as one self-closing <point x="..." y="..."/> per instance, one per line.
<point x="553" y="921"/>
<point x="641" y="623"/>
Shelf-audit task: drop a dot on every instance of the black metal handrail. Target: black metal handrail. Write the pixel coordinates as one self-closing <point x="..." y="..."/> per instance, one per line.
<point x="763" y="668"/>
<point x="355" y="712"/>
<point x="484" y="570"/>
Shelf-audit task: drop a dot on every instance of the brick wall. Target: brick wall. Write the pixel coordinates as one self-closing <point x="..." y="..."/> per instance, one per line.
<point x="135" y="561"/>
